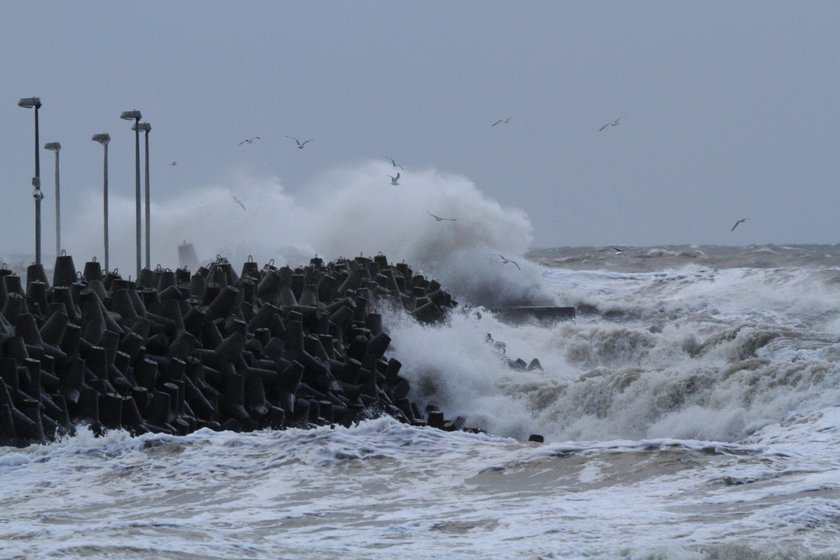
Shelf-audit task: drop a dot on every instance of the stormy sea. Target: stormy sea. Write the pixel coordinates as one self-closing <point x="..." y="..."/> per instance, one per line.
<point x="691" y="410"/>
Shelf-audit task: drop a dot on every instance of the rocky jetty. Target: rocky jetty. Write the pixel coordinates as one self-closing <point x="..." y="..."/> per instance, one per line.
<point x="176" y="351"/>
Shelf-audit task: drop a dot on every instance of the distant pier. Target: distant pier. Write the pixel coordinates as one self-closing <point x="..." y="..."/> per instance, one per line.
<point x="525" y="313"/>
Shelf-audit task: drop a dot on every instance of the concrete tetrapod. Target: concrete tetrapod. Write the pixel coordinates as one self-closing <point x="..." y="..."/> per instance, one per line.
<point x="270" y="348"/>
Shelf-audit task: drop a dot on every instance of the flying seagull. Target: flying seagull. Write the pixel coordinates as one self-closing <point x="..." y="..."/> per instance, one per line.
<point x="502" y="121"/>
<point x="439" y="219"/>
<point x="174" y="164"/>
<point x="250" y="140"/>
<point x="508" y="261"/>
<point x="300" y="144"/>
<point x="738" y="222"/>
<point x="617" y="251"/>
<point x="239" y="202"/>
<point x="613" y="123"/>
<point x="395" y="164"/>
<point x="395" y="180"/>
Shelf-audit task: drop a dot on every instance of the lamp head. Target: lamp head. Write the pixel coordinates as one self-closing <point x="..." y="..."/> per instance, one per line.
<point x="131" y="115"/>
<point x="103" y="138"/>
<point x="52" y="146"/>
<point x="29" y="102"/>
<point x="143" y="126"/>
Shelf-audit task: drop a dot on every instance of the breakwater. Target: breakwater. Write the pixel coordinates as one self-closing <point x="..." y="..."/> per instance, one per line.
<point x="175" y="351"/>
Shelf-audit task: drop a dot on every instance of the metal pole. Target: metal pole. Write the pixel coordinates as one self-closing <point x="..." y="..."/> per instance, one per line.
<point x="137" y="187"/>
<point x="148" y="234"/>
<point x="57" y="206"/>
<point x="37" y="194"/>
<point x="105" y="199"/>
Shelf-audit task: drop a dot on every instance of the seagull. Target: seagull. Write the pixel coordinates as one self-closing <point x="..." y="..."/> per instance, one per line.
<point x="395" y="180"/>
<point x="613" y="123"/>
<point x="395" y="164"/>
<point x="174" y="164"/>
<point x="250" y="140"/>
<point x="439" y="219"/>
<point x="239" y="202"/>
<point x="738" y="222"/>
<point x="506" y="261"/>
<point x="300" y="144"/>
<point x="502" y="121"/>
<point x="617" y="251"/>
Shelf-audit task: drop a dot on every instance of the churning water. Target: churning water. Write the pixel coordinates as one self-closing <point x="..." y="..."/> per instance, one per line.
<point x="691" y="410"/>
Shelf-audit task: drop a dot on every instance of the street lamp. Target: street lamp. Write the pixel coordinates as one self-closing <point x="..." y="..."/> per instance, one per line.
<point x="56" y="147"/>
<point x="29" y="103"/>
<point x="135" y="115"/>
<point x="146" y="127"/>
<point x="103" y="138"/>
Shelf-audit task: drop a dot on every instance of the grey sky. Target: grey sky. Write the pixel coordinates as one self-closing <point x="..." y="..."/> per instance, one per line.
<point x="730" y="109"/>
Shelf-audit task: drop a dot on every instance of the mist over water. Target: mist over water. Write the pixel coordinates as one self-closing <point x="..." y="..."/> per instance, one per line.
<point x="344" y="212"/>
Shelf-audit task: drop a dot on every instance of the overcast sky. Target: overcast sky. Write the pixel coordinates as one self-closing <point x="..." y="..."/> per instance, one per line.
<point x="729" y="109"/>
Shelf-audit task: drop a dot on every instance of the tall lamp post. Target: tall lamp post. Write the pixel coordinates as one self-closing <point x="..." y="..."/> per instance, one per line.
<point x="103" y="138"/>
<point x="135" y="115"/>
<point x="146" y="127"/>
<point x="56" y="147"/>
<point x="29" y="103"/>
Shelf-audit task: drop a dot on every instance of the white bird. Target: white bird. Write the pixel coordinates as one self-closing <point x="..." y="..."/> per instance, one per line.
<point x="613" y="123"/>
<point x="439" y="219"/>
<point x="395" y="180"/>
<point x="617" y="251"/>
<point x="395" y="164"/>
<point x="300" y="144"/>
<point x="250" y="140"/>
<point x="239" y="202"/>
<point x="508" y="261"/>
<point x="502" y="121"/>
<point x="742" y="220"/>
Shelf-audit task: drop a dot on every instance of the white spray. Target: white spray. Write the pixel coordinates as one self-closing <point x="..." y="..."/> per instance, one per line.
<point x="345" y="212"/>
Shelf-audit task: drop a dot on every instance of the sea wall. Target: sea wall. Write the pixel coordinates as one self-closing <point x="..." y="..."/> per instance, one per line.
<point x="176" y="351"/>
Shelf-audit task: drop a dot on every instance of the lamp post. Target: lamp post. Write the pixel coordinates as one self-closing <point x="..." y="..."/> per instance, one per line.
<point x="29" y="103"/>
<point x="56" y="147"/>
<point x="135" y="115"/>
<point x="146" y="127"/>
<point x="103" y="138"/>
